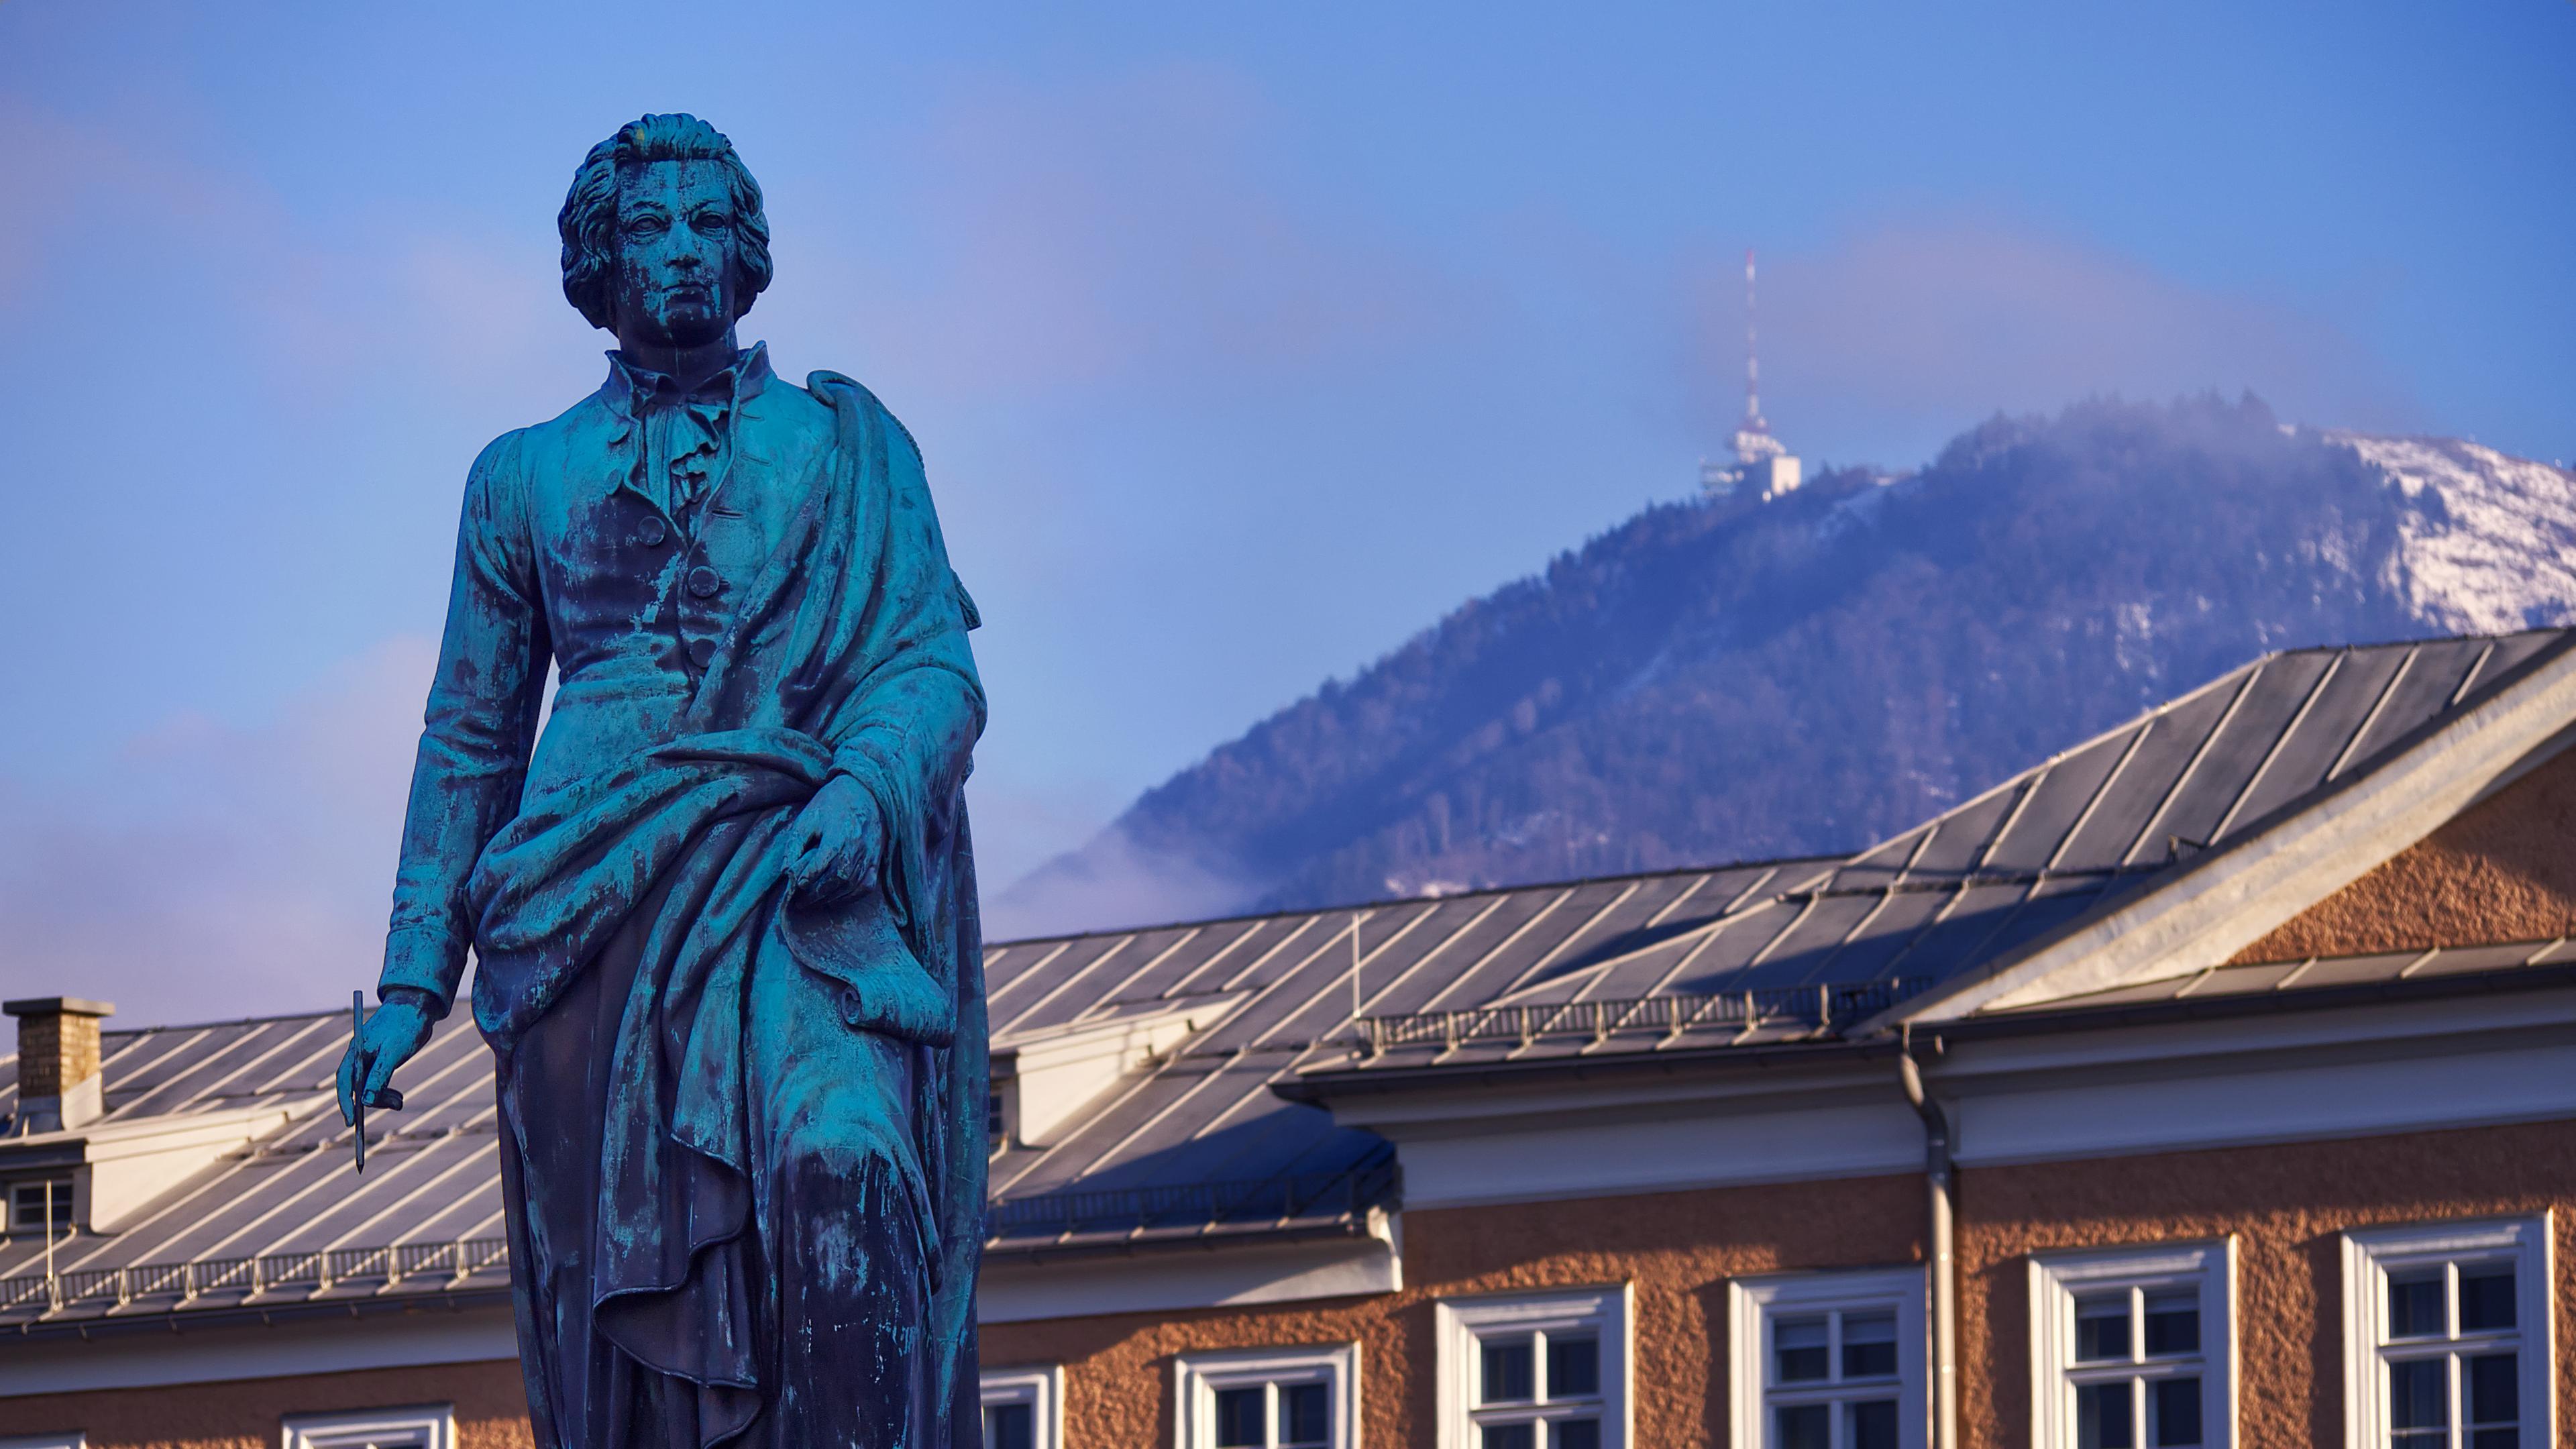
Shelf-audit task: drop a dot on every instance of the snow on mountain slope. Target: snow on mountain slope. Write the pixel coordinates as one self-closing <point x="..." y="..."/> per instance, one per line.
<point x="1719" y="679"/>
<point x="2487" y="542"/>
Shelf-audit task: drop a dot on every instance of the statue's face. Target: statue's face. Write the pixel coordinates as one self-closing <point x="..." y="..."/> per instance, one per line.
<point x="677" y="278"/>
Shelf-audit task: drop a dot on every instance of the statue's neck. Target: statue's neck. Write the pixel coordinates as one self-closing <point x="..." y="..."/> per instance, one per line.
<point x="687" y="367"/>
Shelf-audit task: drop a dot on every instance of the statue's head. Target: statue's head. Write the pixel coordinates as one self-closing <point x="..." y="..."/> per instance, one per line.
<point x="663" y="236"/>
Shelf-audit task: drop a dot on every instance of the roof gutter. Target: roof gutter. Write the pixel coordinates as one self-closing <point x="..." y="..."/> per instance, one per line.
<point x="183" y="1320"/>
<point x="1165" y="1242"/>
<point x="1315" y="1088"/>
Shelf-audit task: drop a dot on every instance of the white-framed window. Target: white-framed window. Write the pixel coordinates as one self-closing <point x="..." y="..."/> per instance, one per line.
<point x="35" y="1202"/>
<point x="1001" y="1112"/>
<point x="431" y="1426"/>
<point x="1270" y="1398"/>
<point x="1829" y="1360"/>
<point x="1023" y="1408"/>
<point x="2134" y="1348"/>
<point x="2447" y="1335"/>
<point x="1545" y="1371"/>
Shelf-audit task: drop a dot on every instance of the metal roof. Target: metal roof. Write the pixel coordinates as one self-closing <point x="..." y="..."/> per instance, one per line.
<point x="284" y="1223"/>
<point x="1195" y="1144"/>
<point x="2031" y="857"/>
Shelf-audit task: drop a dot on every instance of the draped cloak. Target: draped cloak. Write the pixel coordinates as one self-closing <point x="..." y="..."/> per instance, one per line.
<point x="844" y="654"/>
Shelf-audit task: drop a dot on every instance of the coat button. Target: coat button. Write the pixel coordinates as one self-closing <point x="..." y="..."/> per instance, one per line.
<point x="704" y="582"/>
<point x="653" y="533"/>
<point x="702" y="652"/>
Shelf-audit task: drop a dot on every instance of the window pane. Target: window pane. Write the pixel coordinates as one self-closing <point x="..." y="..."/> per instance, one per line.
<point x="1238" y="1418"/>
<point x="1305" y="1414"/>
<point x="2415" y="1305"/>
<point x="1798" y="1350"/>
<point x="2495" y="1439"/>
<point x="1574" y="1434"/>
<point x="1506" y="1378"/>
<point x="2173" y="1413"/>
<point x="2102" y="1417"/>
<point x="2173" y="1323"/>
<point x="1804" y="1426"/>
<point x="2486" y="1299"/>
<point x="1507" y="1436"/>
<point x="1009" y="1426"/>
<point x="2102" y="1327"/>
<point x="1573" y="1367"/>
<point x="2494" y="1390"/>
<point x="1869" y="1345"/>
<point x="2418" y="1397"/>
<point x="1871" y="1425"/>
<point x="31" y="1204"/>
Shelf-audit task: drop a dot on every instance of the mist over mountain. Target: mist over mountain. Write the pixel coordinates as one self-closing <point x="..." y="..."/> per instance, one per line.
<point x="1732" y="678"/>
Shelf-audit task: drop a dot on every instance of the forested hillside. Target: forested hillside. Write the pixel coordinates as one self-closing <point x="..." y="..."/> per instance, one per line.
<point x="1716" y="680"/>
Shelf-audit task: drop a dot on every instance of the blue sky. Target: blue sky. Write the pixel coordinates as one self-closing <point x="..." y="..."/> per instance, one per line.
<point x="1242" y="341"/>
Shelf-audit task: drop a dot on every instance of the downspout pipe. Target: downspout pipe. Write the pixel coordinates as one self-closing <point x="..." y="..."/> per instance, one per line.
<point x="1942" y="1247"/>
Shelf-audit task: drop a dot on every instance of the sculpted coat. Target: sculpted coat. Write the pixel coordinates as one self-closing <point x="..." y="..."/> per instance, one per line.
<point x="741" y="1120"/>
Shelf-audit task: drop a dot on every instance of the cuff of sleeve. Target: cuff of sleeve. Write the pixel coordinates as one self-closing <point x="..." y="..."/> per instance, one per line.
<point x="870" y="751"/>
<point x="424" y="962"/>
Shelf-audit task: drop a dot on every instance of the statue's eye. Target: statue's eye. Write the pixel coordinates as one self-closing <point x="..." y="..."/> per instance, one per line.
<point x="709" y="223"/>
<point x="644" y="226"/>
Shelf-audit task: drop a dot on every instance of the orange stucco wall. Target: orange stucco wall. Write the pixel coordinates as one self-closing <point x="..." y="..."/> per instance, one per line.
<point x="2285" y="1205"/>
<point x="491" y="1408"/>
<point x="1679" y="1249"/>
<point x="2502" y="870"/>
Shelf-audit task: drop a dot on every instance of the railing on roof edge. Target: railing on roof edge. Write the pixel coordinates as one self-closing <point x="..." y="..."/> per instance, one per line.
<point x="316" y="1270"/>
<point x="1825" y="1006"/>
<point x="1347" y="1194"/>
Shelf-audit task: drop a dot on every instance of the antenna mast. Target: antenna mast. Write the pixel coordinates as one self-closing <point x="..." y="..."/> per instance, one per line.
<point x="1752" y="367"/>
<point x="1763" y="464"/>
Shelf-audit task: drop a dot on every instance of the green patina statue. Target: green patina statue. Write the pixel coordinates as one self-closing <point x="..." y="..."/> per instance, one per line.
<point x="723" y="906"/>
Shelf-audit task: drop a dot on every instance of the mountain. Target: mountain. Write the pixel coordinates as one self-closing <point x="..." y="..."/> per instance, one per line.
<point x="1734" y="678"/>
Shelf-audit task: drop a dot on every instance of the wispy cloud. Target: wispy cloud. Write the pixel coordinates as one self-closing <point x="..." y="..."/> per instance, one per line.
<point x="1112" y="881"/>
<point x="1140" y="226"/>
<point x="1940" y="320"/>
<point x="214" y="870"/>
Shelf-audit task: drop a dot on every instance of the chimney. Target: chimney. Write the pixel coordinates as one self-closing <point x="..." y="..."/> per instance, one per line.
<point x="60" y="1087"/>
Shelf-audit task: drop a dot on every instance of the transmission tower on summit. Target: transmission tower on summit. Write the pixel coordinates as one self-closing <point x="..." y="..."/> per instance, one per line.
<point x="1763" y="464"/>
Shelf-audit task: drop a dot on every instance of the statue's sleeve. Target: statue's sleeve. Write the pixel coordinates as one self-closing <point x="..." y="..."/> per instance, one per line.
<point x="477" y="731"/>
<point x="909" y="733"/>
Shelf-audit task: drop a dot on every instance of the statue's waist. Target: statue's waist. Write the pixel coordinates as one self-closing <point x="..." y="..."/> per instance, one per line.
<point x="599" y="720"/>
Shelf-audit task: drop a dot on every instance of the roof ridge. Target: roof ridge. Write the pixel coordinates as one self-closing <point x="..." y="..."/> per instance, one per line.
<point x="227" y="1021"/>
<point x="1382" y="903"/>
<point x="2368" y="644"/>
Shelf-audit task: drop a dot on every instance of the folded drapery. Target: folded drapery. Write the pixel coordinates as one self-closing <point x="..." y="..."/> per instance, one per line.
<point x="846" y="656"/>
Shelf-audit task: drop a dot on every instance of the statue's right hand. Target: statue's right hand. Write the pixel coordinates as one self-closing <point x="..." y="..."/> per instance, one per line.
<point x="394" y="1034"/>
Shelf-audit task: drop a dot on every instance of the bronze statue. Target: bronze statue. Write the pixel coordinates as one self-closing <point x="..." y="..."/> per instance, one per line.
<point x="723" y="916"/>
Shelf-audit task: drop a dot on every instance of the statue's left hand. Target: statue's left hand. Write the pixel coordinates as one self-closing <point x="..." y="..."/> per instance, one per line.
<point x="834" y="844"/>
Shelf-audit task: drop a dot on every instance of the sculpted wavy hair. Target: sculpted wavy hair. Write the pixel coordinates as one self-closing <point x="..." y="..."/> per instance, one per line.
<point x="588" y="220"/>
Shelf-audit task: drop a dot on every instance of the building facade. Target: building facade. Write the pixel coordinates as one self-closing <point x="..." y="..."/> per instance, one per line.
<point x="2211" y="1083"/>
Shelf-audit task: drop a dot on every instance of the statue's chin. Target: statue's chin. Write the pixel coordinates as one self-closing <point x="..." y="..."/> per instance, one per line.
<point x="689" y="324"/>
